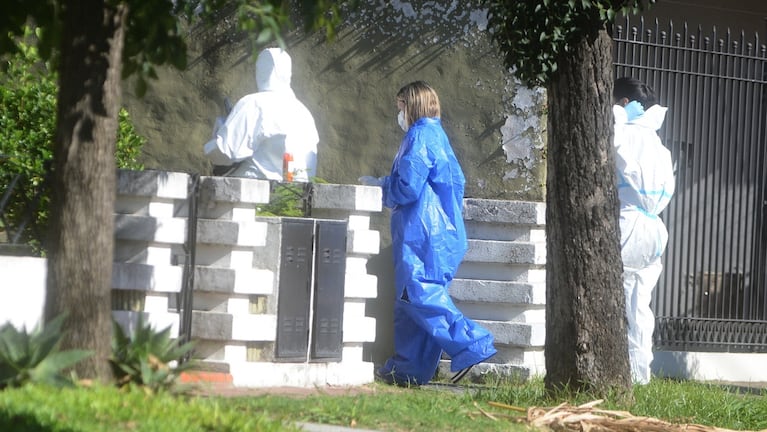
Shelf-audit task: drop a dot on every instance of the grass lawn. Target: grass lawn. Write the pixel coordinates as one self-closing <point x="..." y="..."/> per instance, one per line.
<point x="380" y="407"/>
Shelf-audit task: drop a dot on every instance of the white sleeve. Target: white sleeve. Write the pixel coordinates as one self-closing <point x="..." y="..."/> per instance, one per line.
<point x="234" y="140"/>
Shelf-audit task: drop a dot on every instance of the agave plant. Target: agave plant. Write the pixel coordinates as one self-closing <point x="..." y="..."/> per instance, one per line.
<point x="35" y="357"/>
<point x="147" y="357"/>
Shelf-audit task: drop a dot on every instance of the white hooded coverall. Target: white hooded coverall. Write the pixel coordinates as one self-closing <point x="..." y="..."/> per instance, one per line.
<point x="645" y="186"/>
<point x="265" y="126"/>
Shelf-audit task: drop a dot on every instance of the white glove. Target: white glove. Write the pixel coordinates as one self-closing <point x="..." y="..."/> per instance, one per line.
<point x="371" y="181"/>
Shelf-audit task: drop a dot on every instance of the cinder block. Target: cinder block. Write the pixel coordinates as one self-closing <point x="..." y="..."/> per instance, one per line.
<point x="346" y="197"/>
<point x="234" y="233"/>
<point x="495" y="291"/>
<point x="504" y="212"/>
<point x="137" y="276"/>
<point x="150" y="229"/>
<point x="161" y="184"/>
<point x="234" y="280"/>
<point x="233" y="190"/>
<point x="491" y="251"/>
<point x="517" y="334"/>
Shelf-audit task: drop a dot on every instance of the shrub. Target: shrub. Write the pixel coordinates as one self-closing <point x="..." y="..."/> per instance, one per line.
<point x="35" y="357"/>
<point x="28" y="91"/>
<point x="147" y="357"/>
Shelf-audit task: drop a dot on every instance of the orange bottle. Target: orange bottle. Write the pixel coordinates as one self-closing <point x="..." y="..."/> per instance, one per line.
<point x="287" y="172"/>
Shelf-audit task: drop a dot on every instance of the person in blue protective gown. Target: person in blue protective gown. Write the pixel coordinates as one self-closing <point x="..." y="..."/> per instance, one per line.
<point x="424" y="191"/>
<point x="645" y="187"/>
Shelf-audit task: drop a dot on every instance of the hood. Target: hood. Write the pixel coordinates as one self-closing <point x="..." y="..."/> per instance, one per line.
<point x="652" y="118"/>
<point x="273" y="70"/>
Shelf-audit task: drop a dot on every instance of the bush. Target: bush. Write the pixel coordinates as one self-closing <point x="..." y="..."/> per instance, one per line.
<point x="147" y="358"/>
<point x="35" y="357"/>
<point x="28" y="92"/>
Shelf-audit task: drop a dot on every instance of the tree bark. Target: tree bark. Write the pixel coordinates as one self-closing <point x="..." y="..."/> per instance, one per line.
<point x="82" y="207"/>
<point x="586" y="340"/>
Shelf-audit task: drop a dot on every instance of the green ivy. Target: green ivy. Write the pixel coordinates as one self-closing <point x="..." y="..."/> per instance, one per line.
<point x="533" y="35"/>
<point x="28" y="94"/>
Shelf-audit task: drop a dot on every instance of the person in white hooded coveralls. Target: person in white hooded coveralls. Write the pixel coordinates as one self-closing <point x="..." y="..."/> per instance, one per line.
<point x="645" y="187"/>
<point x="269" y="134"/>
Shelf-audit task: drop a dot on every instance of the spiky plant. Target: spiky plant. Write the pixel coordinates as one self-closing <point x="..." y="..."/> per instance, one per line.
<point x="35" y="357"/>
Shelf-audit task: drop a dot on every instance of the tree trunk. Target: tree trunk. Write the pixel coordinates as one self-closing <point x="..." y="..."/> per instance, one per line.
<point x="586" y="340"/>
<point x="82" y="207"/>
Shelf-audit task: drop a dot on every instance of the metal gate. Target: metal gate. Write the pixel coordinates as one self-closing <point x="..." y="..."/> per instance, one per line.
<point x="712" y="295"/>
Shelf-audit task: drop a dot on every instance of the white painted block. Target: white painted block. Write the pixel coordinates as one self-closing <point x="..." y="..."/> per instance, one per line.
<point x="358" y="222"/>
<point x="253" y="281"/>
<point x="159" y="255"/>
<point x="22" y="291"/>
<point x="238" y="306"/>
<point x="253" y="327"/>
<point x="363" y="242"/>
<point x="235" y="353"/>
<point x="359" y="329"/>
<point x="349" y="373"/>
<point x="710" y="366"/>
<point x="360" y="286"/>
<point x="352" y="353"/>
<point x="243" y="213"/>
<point x="241" y="259"/>
<point x="161" y="209"/>
<point x="156" y="303"/>
<point x="356" y="265"/>
<point x="251" y="233"/>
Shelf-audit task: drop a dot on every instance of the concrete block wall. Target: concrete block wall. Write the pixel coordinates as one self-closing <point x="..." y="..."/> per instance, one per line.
<point x="501" y="282"/>
<point x="234" y="321"/>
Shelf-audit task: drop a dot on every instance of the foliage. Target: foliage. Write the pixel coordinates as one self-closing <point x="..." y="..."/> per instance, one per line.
<point x="35" y="357"/>
<point x="27" y="125"/>
<point x="146" y="357"/>
<point x="288" y="199"/>
<point x="105" y="408"/>
<point x="534" y="35"/>
<point x="155" y="33"/>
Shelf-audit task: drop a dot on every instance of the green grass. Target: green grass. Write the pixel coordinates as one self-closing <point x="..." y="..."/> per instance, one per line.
<point x="380" y="407"/>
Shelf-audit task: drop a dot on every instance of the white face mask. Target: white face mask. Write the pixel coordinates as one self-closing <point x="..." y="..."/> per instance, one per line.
<point x="401" y="121"/>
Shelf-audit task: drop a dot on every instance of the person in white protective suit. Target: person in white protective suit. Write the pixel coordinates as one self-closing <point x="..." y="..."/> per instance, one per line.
<point x="269" y="134"/>
<point x="645" y="187"/>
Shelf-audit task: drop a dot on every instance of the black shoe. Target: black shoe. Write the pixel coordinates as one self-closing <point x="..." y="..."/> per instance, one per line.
<point x="460" y="374"/>
<point x="388" y="377"/>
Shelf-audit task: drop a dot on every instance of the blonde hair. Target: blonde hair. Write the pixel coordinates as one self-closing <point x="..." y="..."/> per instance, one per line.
<point x="420" y="101"/>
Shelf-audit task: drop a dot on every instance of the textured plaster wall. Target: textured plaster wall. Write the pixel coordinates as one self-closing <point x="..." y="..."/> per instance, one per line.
<point x="495" y="125"/>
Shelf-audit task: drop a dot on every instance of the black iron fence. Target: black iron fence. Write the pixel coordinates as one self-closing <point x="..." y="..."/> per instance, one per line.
<point x="712" y="295"/>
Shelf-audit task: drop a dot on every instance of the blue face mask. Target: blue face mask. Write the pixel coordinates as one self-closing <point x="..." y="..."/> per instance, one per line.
<point x="634" y="109"/>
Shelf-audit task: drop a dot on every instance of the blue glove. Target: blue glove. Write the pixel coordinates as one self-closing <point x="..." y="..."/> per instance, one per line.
<point x="371" y="181"/>
<point x="633" y="109"/>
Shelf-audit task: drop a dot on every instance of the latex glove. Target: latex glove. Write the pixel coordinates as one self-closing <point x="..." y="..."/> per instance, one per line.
<point x="371" y="181"/>
<point x="633" y="109"/>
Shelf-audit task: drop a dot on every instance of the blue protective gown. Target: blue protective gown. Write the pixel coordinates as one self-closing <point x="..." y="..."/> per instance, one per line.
<point x="425" y="192"/>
